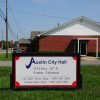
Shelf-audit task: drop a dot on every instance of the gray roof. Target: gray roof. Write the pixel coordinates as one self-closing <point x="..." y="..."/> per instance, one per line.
<point x="35" y="33"/>
<point x="24" y="41"/>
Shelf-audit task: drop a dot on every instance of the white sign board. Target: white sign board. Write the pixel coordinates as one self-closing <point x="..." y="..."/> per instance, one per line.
<point x="45" y="71"/>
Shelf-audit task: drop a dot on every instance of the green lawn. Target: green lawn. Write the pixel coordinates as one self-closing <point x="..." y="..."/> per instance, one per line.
<point x="3" y="57"/>
<point x="90" y="91"/>
<point x="98" y="58"/>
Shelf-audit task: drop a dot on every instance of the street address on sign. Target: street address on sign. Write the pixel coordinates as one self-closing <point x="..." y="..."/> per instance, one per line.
<point x="45" y="71"/>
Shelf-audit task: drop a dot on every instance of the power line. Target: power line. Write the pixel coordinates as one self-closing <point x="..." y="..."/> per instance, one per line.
<point x="2" y="0"/>
<point x="18" y="26"/>
<point x="39" y="14"/>
<point x="4" y="18"/>
<point x="11" y="31"/>
<point x="9" y="27"/>
<point x="2" y="15"/>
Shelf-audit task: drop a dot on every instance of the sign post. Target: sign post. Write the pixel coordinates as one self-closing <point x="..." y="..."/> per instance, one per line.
<point x="46" y="71"/>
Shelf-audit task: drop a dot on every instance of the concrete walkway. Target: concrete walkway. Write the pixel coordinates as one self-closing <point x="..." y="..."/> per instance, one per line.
<point x="88" y="58"/>
<point x="94" y="62"/>
<point x="5" y="63"/>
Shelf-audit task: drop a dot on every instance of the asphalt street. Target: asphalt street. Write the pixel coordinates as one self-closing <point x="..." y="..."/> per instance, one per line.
<point x="5" y="63"/>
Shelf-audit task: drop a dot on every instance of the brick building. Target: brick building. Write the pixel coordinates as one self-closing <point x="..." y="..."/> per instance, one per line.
<point x="78" y="35"/>
<point x="24" y="44"/>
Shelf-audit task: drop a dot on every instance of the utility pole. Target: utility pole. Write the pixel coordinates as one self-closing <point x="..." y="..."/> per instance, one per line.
<point x="6" y="29"/>
<point x="2" y="39"/>
<point x="17" y="42"/>
<point x="17" y="37"/>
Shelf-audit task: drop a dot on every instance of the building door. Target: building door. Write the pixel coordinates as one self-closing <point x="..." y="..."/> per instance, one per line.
<point x="83" y="48"/>
<point x="75" y="47"/>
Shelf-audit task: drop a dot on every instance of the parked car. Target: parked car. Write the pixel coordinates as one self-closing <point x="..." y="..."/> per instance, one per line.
<point x="15" y="50"/>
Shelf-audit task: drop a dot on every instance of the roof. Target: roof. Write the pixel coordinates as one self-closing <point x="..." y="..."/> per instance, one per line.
<point x="35" y="33"/>
<point x="82" y="18"/>
<point x="24" y="41"/>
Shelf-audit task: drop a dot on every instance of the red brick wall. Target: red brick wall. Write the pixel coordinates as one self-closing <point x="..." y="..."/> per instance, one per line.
<point x="91" y="46"/>
<point x="64" y="43"/>
<point x="53" y="43"/>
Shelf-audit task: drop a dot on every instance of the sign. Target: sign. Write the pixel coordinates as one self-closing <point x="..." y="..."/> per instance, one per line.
<point x="45" y="70"/>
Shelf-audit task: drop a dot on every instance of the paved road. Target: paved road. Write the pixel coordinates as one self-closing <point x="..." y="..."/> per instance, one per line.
<point x="9" y="63"/>
<point x="5" y="63"/>
<point x="4" y="51"/>
<point x="95" y="62"/>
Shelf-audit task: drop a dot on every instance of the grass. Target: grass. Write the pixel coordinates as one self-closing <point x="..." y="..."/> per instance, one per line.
<point x="90" y="91"/>
<point x="3" y="57"/>
<point x="98" y="58"/>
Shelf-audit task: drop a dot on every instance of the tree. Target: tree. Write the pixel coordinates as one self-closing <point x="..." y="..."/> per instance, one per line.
<point x="4" y="44"/>
<point x="15" y="44"/>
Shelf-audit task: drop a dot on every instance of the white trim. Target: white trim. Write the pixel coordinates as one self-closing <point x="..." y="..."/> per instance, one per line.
<point x="78" y="46"/>
<point x="97" y="48"/>
<point x="89" y="39"/>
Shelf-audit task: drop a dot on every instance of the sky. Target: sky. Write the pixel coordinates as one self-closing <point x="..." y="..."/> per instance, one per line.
<point x="25" y="16"/>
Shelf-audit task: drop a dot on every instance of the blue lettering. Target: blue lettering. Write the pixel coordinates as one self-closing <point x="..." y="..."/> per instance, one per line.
<point x="29" y="65"/>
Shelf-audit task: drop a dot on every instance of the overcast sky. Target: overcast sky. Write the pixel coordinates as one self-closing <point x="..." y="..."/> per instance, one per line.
<point x="40" y="15"/>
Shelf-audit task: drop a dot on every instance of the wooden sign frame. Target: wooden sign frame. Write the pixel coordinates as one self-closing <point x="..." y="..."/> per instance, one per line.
<point x="77" y="84"/>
